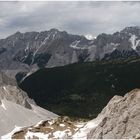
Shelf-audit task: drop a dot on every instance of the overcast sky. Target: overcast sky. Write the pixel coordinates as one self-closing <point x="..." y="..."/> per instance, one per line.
<point x="74" y="17"/>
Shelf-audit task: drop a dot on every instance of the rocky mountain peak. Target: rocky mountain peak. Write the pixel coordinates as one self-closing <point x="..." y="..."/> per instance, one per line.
<point x="34" y="50"/>
<point x="120" y="118"/>
<point x="133" y="30"/>
<point x="54" y="30"/>
<point x="18" y="33"/>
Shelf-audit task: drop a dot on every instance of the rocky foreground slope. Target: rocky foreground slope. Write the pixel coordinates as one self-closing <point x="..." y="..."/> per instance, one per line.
<point x="16" y="108"/>
<point x="119" y="119"/>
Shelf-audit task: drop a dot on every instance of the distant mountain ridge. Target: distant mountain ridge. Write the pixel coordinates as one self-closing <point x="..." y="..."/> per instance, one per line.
<point x="33" y="50"/>
<point x="48" y="48"/>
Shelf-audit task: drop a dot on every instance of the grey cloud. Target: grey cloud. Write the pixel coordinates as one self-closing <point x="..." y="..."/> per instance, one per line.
<point x="75" y="17"/>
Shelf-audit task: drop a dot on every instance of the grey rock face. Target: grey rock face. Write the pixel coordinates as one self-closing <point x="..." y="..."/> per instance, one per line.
<point x="10" y="91"/>
<point x="14" y="115"/>
<point x="27" y="52"/>
<point x="125" y="42"/>
<point x="18" y="110"/>
<point x="48" y="48"/>
<point x="16" y="95"/>
<point x="120" y="119"/>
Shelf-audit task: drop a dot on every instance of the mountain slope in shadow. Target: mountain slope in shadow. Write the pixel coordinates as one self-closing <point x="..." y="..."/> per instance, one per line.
<point x="82" y="90"/>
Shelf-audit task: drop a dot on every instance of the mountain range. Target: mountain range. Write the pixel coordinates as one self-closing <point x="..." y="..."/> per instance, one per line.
<point x="30" y="51"/>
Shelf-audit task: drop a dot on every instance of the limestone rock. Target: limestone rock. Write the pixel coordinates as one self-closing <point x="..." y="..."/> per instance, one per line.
<point x="120" y="118"/>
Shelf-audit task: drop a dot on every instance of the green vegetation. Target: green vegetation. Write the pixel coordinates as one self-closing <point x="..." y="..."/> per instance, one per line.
<point x="82" y="90"/>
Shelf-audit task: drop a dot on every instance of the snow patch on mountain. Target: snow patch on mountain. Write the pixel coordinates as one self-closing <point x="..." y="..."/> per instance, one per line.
<point x="2" y="105"/>
<point x="90" y="37"/>
<point x="60" y="128"/>
<point x="134" y="41"/>
<point x="14" y="114"/>
<point x="31" y="135"/>
<point x="38" y="48"/>
<point x="75" y="44"/>
<point x="27" y="47"/>
<point x="9" y="135"/>
<point x="55" y="33"/>
<point x="83" y="131"/>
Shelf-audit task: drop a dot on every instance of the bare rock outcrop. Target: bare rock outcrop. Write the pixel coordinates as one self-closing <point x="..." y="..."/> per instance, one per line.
<point x="60" y="128"/>
<point x="120" y="119"/>
<point x="16" y="95"/>
<point x="17" y="110"/>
